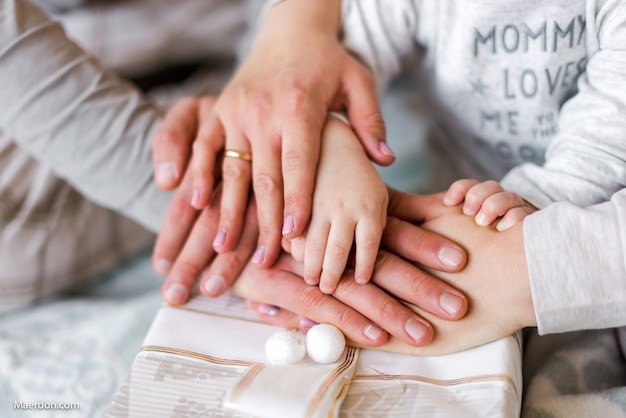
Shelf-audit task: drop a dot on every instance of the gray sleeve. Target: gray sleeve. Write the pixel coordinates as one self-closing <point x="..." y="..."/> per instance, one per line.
<point x="586" y="162"/>
<point x="91" y="128"/>
<point x="576" y="262"/>
<point x="381" y="33"/>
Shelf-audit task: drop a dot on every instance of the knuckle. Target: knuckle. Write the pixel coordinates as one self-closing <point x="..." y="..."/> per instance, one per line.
<point x="293" y="160"/>
<point x="421" y="287"/>
<point x="315" y="245"/>
<point x="388" y="310"/>
<point x="265" y="184"/>
<point x="298" y="199"/>
<point x="310" y="299"/>
<point x="344" y="319"/>
<point x="164" y="138"/>
<point x="181" y="209"/>
<point x="188" y="270"/>
<point x="492" y="185"/>
<point x="369" y="243"/>
<point x="258" y="105"/>
<point x="296" y="97"/>
<point x="338" y="250"/>
<point x="199" y="147"/>
<point x="234" y="172"/>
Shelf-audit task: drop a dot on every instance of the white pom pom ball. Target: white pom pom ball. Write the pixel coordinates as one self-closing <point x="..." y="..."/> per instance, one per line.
<point x="285" y="347"/>
<point x="325" y="343"/>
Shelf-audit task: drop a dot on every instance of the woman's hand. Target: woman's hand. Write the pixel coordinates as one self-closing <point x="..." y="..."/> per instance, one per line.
<point x="273" y="111"/>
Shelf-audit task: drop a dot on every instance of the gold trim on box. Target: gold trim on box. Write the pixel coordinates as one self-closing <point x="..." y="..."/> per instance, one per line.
<point x="221" y="315"/>
<point x="317" y="399"/>
<point x="197" y="356"/>
<point x="439" y="382"/>
<point x="231" y="402"/>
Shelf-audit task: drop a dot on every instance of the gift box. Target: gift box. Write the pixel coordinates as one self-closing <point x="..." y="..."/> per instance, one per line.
<point x="207" y="359"/>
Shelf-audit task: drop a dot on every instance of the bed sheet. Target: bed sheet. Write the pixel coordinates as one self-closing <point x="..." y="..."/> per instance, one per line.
<point x="74" y="351"/>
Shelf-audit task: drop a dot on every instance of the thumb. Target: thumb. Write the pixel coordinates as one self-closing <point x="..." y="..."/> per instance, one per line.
<point x="171" y="145"/>
<point x="365" y="115"/>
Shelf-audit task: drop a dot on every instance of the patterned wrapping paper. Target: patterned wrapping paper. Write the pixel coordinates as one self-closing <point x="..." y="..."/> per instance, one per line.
<point x="207" y="359"/>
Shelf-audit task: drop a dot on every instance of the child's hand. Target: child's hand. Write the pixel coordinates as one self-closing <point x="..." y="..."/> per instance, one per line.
<point x="488" y="201"/>
<point x="349" y="205"/>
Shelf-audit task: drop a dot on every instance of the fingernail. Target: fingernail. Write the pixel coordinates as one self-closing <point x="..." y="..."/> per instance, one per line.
<point x="372" y="332"/>
<point x="162" y="266"/>
<point x="307" y="323"/>
<point x="384" y="148"/>
<point x="195" y="198"/>
<point x="481" y="219"/>
<point x="214" y="285"/>
<point x="327" y="288"/>
<point x="257" y="258"/>
<point x="416" y="329"/>
<point x="362" y="279"/>
<point x="176" y="294"/>
<point x="266" y="309"/>
<point x="450" y="256"/>
<point x="166" y="172"/>
<point x="288" y="225"/>
<point x="504" y="225"/>
<point x="311" y="281"/>
<point x="451" y="303"/>
<point x="220" y="238"/>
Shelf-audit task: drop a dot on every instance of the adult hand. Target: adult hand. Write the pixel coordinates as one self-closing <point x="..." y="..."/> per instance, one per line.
<point x="393" y="274"/>
<point x="274" y="109"/>
<point x="495" y="281"/>
<point x="181" y="251"/>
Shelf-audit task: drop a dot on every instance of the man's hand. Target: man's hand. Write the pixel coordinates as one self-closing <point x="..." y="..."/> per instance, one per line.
<point x="495" y="281"/>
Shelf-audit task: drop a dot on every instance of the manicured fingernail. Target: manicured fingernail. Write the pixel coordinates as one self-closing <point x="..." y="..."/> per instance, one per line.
<point x="307" y="323"/>
<point x="416" y="329"/>
<point x="451" y="303"/>
<point x="257" y="258"/>
<point x="195" y="198"/>
<point x="384" y="148"/>
<point x="220" y="238"/>
<point x="450" y="256"/>
<point x="372" y="332"/>
<point x="266" y="309"/>
<point x="166" y="172"/>
<point x="288" y="225"/>
<point x="163" y="266"/>
<point x="214" y="285"/>
<point x="176" y="294"/>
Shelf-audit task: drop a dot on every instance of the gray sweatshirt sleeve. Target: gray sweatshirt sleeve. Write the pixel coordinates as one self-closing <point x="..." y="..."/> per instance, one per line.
<point x="576" y="263"/>
<point x="586" y="162"/>
<point x="91" y="128"/>
<point x="382" y="36"/>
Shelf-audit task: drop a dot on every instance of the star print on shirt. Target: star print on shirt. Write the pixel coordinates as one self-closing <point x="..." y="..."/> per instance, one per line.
<point x="478" y="86"/>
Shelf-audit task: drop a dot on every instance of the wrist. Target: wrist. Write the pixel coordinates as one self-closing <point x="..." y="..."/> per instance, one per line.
<point x="323" y="17"/>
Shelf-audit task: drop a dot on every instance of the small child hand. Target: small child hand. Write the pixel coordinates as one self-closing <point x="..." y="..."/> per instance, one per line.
<point x="488" y="201"/>
<point x="349" y="206"/>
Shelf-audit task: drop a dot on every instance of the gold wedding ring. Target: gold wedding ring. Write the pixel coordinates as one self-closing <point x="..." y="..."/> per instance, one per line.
<point x="242" y="155"/>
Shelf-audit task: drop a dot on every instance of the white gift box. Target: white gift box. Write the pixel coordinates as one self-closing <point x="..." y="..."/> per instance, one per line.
<point x="207" y="359"/>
